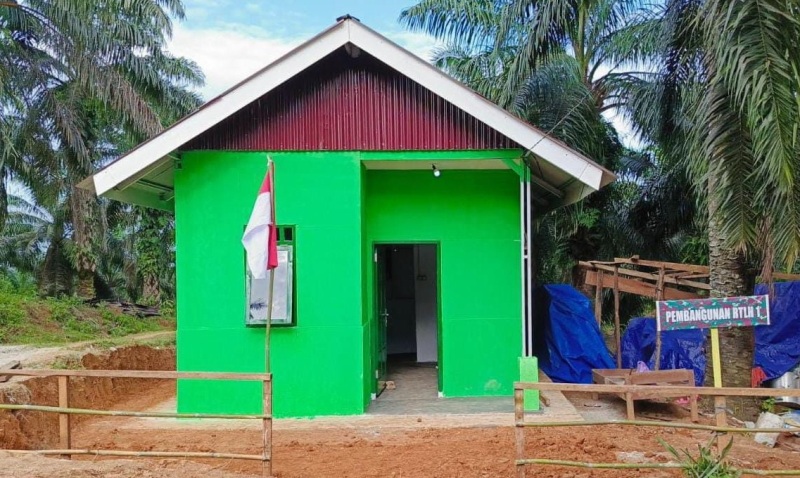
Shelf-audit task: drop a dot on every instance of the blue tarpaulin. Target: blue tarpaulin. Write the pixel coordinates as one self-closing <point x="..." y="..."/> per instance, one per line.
<point x="567" y="339"/>
<point x="679" y="348"/>
<point x="777" y="347"/>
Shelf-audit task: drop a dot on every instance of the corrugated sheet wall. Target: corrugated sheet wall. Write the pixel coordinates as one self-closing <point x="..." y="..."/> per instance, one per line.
<point x="342" y="103"/>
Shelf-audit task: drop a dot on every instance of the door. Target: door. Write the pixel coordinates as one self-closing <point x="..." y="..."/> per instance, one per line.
<point x="381" y="316"/>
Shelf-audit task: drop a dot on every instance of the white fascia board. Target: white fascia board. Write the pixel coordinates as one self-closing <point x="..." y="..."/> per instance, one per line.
<point x="471" y="102"/>
<point x="147" y="154"/>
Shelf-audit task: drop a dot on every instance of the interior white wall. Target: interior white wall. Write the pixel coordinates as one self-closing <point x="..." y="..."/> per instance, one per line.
<point x="426" y="305"/>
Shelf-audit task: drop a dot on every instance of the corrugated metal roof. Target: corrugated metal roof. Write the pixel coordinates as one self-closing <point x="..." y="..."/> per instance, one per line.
<point x="345" y="103"/>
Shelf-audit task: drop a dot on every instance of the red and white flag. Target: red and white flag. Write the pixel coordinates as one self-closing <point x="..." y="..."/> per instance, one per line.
<point x="259" y="240"/>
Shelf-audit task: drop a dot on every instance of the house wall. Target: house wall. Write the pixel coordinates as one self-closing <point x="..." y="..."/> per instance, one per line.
<point x="473" y="216"/>
<point x="318" y="364"/>
<point x="325" y="364"/>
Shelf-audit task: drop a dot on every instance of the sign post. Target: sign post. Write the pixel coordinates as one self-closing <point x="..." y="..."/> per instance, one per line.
<point x="713" y="313"/>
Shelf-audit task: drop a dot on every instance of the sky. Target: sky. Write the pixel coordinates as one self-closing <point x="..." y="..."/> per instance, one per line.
<point x="231" y="39"/>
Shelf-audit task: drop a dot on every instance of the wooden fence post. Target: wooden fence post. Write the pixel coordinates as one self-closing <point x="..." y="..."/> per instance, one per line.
<point x="659" y="296"/>
<point x="267" y="428"/>
<point x="598" y="298"/>
<point x="64" y="440"/>
<point x="519" y="429"/>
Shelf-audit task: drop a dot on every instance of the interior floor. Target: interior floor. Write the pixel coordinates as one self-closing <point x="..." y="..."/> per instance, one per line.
<point x="415" y="392"/>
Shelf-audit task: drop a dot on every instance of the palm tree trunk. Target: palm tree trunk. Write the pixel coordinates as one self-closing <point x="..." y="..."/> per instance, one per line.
<point x="728" y="279"/>
<point x="81" y="202"/>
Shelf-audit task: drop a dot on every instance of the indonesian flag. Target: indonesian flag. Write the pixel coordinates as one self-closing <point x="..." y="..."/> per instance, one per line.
<point x="259" y="240"/>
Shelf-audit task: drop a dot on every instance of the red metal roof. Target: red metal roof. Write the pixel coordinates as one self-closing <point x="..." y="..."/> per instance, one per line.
<point x="344" y="103"/>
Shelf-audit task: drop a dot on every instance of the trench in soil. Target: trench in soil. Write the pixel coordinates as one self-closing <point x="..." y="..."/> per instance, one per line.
<point x="349" y="450"/>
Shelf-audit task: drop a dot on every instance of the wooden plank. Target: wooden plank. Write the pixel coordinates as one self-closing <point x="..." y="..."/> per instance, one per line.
<point x="519" y="431"/>
<point x="656" y="389"/>
<point x="154" y="374"/>
<point x="64" y="439"/>
<point x="666" y="265"/>
<point x="784" y="276"/>
<point x="676" y="280"/>
<point x="644" y="289"/>
<point x="666" y="376"/>
<point x="8" y="366"/>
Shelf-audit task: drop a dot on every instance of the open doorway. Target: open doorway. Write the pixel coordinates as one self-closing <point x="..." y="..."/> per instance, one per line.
<point x="408" y="320"/>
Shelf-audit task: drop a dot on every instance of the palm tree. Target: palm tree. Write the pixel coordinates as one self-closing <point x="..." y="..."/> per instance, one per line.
<point x="97" y="75"/>
<point x="722" y="101"/>
<point x="554" y="64"/>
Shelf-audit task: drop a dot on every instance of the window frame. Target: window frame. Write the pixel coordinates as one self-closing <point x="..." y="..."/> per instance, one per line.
<point x="281" y="241"/>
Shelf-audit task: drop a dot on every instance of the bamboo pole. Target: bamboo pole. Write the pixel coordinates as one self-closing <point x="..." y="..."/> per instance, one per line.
<point x="648" y="466"/>
<point x="151" y="454"/>
<point x="617" y="338"/>
<point x="64" y="440"/>
<point x="266" y="458"/>
<point x="614" y="466"/>
<point x="656" y="390"/>
<point x="144" y="374"/>
<point x="658" y="424"/>
<point x="118" y="413"/>
<point x="519" y="430"/>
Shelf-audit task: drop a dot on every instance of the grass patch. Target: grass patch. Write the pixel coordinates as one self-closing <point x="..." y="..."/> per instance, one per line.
<point x="27" y="319"/>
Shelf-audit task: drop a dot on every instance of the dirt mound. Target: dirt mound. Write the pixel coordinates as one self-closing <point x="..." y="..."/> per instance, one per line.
<point x="24" y="430"/>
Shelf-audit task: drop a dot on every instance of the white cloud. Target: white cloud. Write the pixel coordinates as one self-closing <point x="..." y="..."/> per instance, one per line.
<point x="229" y="54"/>
<point x="420" y="44"/>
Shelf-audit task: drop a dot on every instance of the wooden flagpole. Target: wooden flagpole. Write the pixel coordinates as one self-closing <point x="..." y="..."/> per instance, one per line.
<point x="267" y="388"/>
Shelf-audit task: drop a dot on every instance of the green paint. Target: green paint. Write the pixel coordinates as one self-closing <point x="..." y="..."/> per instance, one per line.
<point x="318" y="363"/>
<point x="529" y="372"/>
<point x="325" y="363"/>
<point x="474" y="217"/>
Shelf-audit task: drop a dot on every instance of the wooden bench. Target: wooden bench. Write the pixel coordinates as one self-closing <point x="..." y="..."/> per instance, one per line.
<point x="680" y="377"/>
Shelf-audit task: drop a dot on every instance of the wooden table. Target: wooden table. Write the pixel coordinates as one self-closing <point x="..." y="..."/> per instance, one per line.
<point x="679" y="377"/>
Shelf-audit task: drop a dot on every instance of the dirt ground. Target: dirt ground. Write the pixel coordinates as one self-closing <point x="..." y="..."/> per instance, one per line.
<point x="368" y="450"/>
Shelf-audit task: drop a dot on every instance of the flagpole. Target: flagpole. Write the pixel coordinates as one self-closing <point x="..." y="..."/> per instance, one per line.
<point x="267" y="463"/>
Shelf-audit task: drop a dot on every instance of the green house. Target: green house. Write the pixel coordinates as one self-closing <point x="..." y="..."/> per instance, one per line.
<point x="404" y="202"/>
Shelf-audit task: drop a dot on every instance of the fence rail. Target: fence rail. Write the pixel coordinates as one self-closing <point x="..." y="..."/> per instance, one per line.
<point x="64" y="412"/>
<point x="654" y="391"/>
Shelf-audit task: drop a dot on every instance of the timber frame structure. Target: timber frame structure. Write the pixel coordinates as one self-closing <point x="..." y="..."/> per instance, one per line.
<point x="655" y="279"/>
<point x="658" y="280"/>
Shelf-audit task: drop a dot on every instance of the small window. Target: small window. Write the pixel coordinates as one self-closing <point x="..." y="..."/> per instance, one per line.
<point x="258" y="289"/>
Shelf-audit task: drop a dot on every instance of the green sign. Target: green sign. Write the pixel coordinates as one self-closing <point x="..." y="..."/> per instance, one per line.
<point x="712" y="313"/>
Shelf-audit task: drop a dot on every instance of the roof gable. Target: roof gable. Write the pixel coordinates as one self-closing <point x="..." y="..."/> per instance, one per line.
<point x="350" y="104"/>
<point x="144" y="174"/>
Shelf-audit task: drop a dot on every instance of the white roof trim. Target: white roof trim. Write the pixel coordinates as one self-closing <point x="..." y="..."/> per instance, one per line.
<point x="137" y="162"/>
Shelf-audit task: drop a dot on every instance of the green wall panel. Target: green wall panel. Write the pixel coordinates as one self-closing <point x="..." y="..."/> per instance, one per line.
<point x="318" y="193"/>
<point x="339" y="210"/>
<point x="474" y="218"/>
